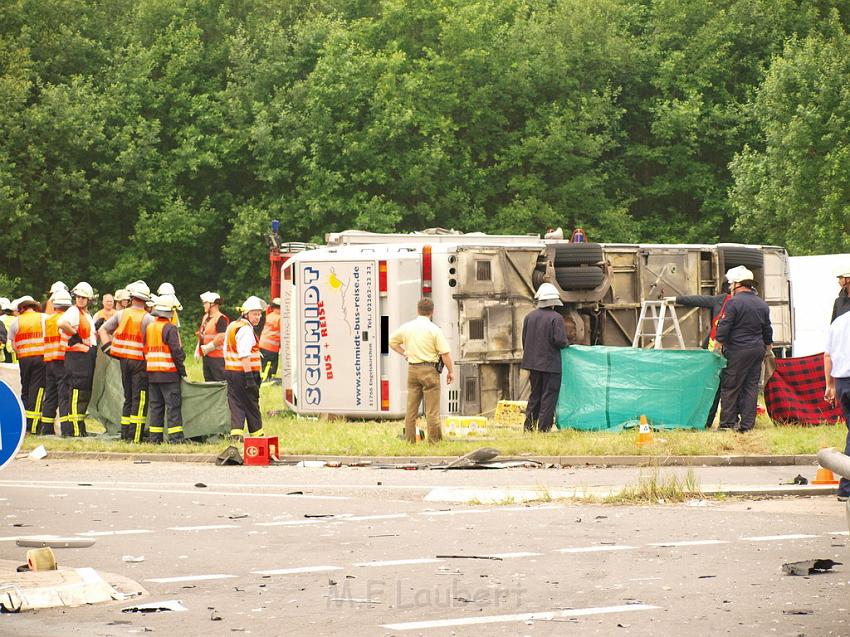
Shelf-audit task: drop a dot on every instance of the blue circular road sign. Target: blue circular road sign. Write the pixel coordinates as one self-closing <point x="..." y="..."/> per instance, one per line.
<point x="13" y="424"/>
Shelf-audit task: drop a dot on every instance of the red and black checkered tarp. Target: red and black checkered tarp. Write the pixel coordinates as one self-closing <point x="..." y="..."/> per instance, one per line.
<point x="795" y="392"/>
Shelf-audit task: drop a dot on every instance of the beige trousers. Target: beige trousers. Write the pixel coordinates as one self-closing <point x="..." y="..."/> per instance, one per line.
<point x="423" y="381"/>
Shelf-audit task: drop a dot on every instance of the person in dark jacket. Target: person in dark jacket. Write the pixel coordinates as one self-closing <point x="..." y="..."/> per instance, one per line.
<point x="745" y="334"/>
<point x="543" y="338"/>
<point x="842" y="302"/>
<point x="715" y="304"/>
<point x="164" y="359"/>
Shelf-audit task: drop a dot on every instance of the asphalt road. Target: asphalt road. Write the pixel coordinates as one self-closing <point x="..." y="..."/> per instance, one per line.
<point x="252" y="552"/>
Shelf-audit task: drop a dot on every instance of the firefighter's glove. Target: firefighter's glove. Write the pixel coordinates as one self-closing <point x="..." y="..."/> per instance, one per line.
<point x="75" y="340"/>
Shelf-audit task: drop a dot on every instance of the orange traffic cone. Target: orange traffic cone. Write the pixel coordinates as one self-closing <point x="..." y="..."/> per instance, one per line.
<point x="644" y="433"/>
<point x="824" y="476"/>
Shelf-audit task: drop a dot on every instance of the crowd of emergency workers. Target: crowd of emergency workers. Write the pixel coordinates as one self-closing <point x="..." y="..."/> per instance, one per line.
<point x="55" y="346"/>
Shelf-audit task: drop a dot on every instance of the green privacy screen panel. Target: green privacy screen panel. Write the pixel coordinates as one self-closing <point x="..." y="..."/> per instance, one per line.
<point x="205" y="410"/>
<point x="611" y="387"/>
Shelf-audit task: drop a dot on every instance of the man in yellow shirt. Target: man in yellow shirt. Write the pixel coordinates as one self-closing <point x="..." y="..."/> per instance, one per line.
<point x="423" y="345"/>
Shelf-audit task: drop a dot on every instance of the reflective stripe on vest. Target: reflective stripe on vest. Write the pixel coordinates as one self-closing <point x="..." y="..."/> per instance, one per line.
<point x="231" y="358"/>
<point x="128" y="342"/>
<point x="270" y="338"/>
<point x="52" y="340"/>
<point x="208" y="333"/>
<point x="29" y="341"/>
<point x="84" y="331"/>
<point x="157" y="352"/>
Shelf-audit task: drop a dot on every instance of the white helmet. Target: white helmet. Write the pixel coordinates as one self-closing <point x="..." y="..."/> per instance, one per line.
<point x="210" y="297"/>
<point x="842" y="270"/>
<point x="547" y="292"/>
<point x="122" y="295"/>
<point x="169" y="300"/>
<point x="58" y="286"/>
<point x="5" y="304"/>
<point x="165" y="288"/>
<point x="83" y="289"/>
<point x="16" y="304"/>
<point x="253" y="303"/>
<point x="61" y="298"/>
<point x="139" y="290"/>
<point x="276" y="301"/>
<point x="738" y="274"/>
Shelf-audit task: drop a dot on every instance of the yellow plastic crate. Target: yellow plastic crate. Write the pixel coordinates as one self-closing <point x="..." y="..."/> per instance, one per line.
<point x="510" y="413"/>
<point x="465" y="427"/>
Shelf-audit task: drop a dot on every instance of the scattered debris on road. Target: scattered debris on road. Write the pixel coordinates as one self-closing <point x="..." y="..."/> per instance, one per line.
<point x="132" y="559"/>
<point x="809" y="567"/>
<point x="200" y="485"/>
<point x="38" y="453"/>
<point x="156" y="607"/>
<point x="214" y="616"/>
<point x="800" y="480"/>
<point x="469" y="557"/>
<point x="55" y="542"/>
<point x="230" y="456"/>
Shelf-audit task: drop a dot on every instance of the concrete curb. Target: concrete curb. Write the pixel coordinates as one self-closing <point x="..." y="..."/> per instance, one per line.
<point x="563" y="461"/>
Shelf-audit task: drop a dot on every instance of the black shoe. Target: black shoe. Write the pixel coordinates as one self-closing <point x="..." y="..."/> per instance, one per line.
<point x="842" y="498"/>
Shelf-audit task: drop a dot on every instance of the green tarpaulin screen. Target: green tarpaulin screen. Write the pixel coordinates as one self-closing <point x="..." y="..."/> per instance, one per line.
<point x="611" y="387"/>
<point x="205" y="410"/>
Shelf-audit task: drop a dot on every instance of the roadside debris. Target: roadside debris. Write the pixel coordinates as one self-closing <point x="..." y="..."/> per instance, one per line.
<point x="230" y="456"/>
<point x="156" y="607"/>
<point x="38" y="453"/>
<point x="214" y="616"/>
<point x="55" y="542"/>
<point x="484" y="454"/>
<point x="237" y="516"/>
<point x="131" y="559"/>
<point x="200" y="485"/>
<point x="800" y="480"/>
<point x="468" y="557"/>
<point x="809" y="567"/>
<point x="42" y="559"/>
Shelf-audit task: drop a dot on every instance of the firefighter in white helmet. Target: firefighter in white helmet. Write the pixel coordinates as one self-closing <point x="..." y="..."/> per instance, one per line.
<point x="26" y="332"/>
<point x="166" y="293"/>
<point x="123" y="337"/>
<point x="211" y="337"/>
<point x="80" y="345"/>
<point x="164" y="362"/>
<point x="122" y="300"/>
<point x="48" y="305"/>
<point x="55" y="383"/>
<point x="543" y="338"/>
<point x="242" y="369"/>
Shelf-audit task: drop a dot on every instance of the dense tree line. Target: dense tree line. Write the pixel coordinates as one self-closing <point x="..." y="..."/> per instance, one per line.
<point x="158" y="138"/>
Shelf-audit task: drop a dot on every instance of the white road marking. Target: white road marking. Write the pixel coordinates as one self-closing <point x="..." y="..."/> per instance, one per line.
<point x="458" y="511"/>
<point x="593" y="549"/>
<point x="839" y="533"/>
<point x="779" y="538"/>
<point x="522" y="617"/>
<point x="505" y="556"/>
<point x="423" y="560"/>
<point x="295" y="571"/>
<point x="690" y="543"/>
<point x="107" y="533"/>
<point x="289" y="523"/>
<point x="199" y="492"/>
<point x="388" y="516"/>
<point x="208" y="527"/>
<point x="189" y="578"/>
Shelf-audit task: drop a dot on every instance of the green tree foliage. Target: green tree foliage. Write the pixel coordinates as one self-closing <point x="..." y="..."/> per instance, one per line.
<point x="159" y="138"/>
<point x="794" y="186"/>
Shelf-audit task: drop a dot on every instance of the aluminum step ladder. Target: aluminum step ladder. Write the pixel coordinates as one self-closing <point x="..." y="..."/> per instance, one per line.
<point x="659" y="311"/>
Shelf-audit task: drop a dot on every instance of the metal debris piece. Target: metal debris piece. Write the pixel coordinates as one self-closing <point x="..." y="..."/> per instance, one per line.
<point x="230" y="456"/>
<point x="808" y="567"/>
<point x="156" y="607"/>
<point x="55" y="542"/>
<point x="800" y="480"/>
<point x="484" y="454"/>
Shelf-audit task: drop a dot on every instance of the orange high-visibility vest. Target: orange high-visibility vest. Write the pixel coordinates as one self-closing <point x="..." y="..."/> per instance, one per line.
<point x="207" y="334"/>
<point x="128" y="341"/>
<point x="29" y="341"/>
<point x="52" y="339"/>
<point x="157" y="352"/>
<point x="84" y="331"/>
<point x="231" y="358"/>
<point x="270" y="338"/>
